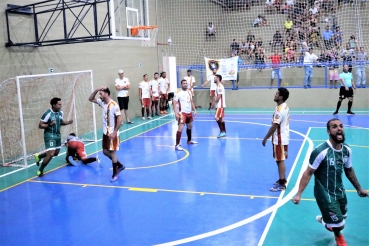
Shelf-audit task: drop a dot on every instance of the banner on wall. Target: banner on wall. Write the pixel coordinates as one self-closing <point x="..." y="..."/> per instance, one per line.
<point x="228" y="67"/>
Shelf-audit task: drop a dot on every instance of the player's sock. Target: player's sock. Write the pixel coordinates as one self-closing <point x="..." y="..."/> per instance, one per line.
<point x="282" y="181"/>
<point x="114" y="169"/>
<point x="41" y="156"/>
<point x="148" y="112"/>
<point x="178" y="137"/>
<point x="220" y="126"/>
<point x="223" y="124"/>
<point x="89" y="160"/>
<point x="349" y="106"/>
<point x="143" y="112"/>
<point x="43" y="165"/>
<point x="338" y="106"/>
<point x="189" y="135"/>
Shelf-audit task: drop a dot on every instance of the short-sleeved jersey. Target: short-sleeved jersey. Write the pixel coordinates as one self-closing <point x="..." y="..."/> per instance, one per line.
<point x="52" y="132"/>
<point x="154" y="84"/>
<point x="281" y="116"/>
<point x="347" y="77"/>
<point x="190" y="79"/>
<point x="329" y="165"/>
<point x="184" y="99"/>
<point x="276" y="60"/>
<point x="145" y="88"/>
<point x="73" y="138"/>
<point x="163" y="85"/>
<point x="219" y="91"/>
<point x="110" y="111"/>
<point x="213" y="85"/>
<point x="122" y="82"/>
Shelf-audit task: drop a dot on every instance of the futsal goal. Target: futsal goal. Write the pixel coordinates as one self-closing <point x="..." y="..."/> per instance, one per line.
<point x="24" y="99"/>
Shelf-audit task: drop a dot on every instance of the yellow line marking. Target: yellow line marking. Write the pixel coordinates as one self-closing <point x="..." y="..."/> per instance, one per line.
<point x="143" y="189"/>
<point x="251" y="197"/>
<point x="152" y="189"/>
<point x="84" y="186"/>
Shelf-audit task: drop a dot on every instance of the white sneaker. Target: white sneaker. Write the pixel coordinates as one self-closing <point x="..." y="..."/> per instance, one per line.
<point x="192" y="142"/>
<point x="149" y="118"/>
<point x="143" y="118"/>
<point x="178" y="147"/>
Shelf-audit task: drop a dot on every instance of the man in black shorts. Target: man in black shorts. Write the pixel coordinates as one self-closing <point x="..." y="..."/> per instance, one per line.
<point x="347" y="89"/>
<point x="122" y="85"/>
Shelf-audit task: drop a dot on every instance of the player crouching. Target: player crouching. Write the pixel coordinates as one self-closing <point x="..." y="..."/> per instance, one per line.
<point x="76" y="150"/>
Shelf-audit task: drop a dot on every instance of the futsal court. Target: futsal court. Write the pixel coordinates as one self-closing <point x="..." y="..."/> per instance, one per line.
<point x="212" y="193"/>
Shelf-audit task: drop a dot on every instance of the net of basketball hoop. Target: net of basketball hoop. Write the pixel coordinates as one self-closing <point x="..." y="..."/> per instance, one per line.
<point x="147" y="33"/>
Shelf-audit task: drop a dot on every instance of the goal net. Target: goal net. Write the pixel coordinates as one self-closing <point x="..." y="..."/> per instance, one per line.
<point x="187" y="22"/>
<point x="24" y="99"/>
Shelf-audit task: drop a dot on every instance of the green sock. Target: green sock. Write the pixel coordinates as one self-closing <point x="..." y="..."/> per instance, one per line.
<point x="43" y="165"/>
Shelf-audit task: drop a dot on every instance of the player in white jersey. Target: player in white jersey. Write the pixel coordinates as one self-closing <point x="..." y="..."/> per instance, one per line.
<point x="191" y="83"/>
<point x="182" y="105"/>
<point x="112" y="119"/>
<point x="154" y="86"/>
<point x="212" y="86"/>
<point x="164" y="87"/>
<point x="220" y="104"/>
<point x="144" y="94"/>
<point x="280" y="133"/>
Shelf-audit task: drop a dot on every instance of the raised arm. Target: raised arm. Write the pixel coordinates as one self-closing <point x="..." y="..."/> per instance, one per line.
<point x="93" y="94"/>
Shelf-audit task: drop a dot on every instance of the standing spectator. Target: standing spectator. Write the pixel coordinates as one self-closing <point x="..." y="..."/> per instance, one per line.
<point x="276" y="70"/>
<point x="327" y="37"/>
<point x="288" y="24"/>
<point x="210" y="31"/>
<point x="333" y="68"/>
<point x="259" y="59"/>
<point x="122" y="85"/>
<point x="361" y="58"/>
<point x="338" y="37"/>
<point x="309" y="59"/>
<point x="144" y="96"/>
<point x="250" y="37"/>
<point x="347" y="55"/>
<point x="235" y="47"/>
<point x="347" y="90"/>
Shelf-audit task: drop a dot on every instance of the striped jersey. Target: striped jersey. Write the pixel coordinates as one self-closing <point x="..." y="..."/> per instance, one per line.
<point x="219" y="90"/>
<point x="329" y="165"/>
<point x="281" y="116"/>
<point x="52" y="132"/>
<point x="184" y="99"/>
<point x="110" y="111"/>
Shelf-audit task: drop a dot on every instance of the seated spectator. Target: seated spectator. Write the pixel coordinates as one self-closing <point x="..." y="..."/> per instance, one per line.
<point x="251" y="51"/>
<point x="259" y="43"/>
<point x="264" y="21"/>
<point x="327" y="37"/>
<point x="289" y="3"/>
<point x="277" y="39"/>
<point x="288" y="24"/>
<point x="210" y="31"/>
<point x="314" y="10"/>
<point x="235" y="47"/>
<point x="338" y="37"/>
<point x="285" y="9"/>
<point x="291" y="55"/>
<point x="250" y="37"/>
<point x="313" y="22"/>
<point x="323" y="58"/>
<point x="352" y="42"/>
<point x="269" y="6"/>
<point x="313" y="38"/>
<point x="258" y="21"/>
<point x="277" y="5"/>
<point x="243" y="47"/>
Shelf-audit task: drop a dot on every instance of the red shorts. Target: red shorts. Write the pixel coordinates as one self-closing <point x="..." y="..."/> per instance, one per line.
<point x="219" y="113"/>
<point x="212" y="93"/>
<point x="154" y="98"/>
<point x="110" y="144"/>
<point x="164" y="96"/>
<point x="145" y="102"/>
<point x="77" y="149"/>
<point x="185" y="118"/>
<point x="280" y="152"/>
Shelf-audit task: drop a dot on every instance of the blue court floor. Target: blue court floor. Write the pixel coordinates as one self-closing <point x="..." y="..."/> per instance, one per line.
<point x="212" y="193"/>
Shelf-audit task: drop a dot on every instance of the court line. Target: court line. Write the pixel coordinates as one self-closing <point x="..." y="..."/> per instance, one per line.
<point x="210" y="138"/>
<point x="280" y="203"/>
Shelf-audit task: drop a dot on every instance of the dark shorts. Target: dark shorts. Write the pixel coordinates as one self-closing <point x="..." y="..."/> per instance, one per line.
<point x="123" y="102"/>
<point x="333" y="212"/>
<point x="344" y="94"/>
<point x="51" y="144"/>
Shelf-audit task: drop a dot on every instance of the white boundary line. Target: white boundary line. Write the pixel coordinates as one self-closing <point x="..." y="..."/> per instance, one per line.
<point x="62" y="153"/>
<point x="280" y="203"/>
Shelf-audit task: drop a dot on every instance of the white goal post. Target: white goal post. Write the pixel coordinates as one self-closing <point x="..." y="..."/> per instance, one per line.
<point x="24" y="99"/>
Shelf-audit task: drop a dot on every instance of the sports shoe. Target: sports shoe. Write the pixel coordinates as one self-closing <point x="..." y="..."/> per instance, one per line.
<point x="178" y="147"/>
<point x="72" y="161"/>
<point x="335" y="112"/>
<point x="119" y="169"/>
<point x="130" y="122"/>
<point x="37" y="159"/>
<point x="98" y="160"/>
<point x="192" y="142"/>
<point x="278" y="187"/>
<point x="40" y="174"/>
<point x="143" y="118"/>
<point x="149" y="118"/>
<point x="222" y="135"/>
<point x="340" y="240"/>
<point x="319" y="218"/>
<point x="114" y="178"/>
<point x="277" y="182"/>
<point x="350" y="113"/>
<point x="157" y="114"/>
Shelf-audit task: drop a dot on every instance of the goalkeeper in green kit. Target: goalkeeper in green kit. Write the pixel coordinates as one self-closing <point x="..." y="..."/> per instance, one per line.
<point x="51" y="121"/>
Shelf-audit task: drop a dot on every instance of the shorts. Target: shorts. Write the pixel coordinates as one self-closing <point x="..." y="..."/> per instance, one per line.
<point x="344" y="94"/>
<point x="185" y="118"/>
<point x="219" y="113"/>
<point x="110" y="144"/>
<point x="164" y="96"/>
<point x="280" y="152"/>
<point x="155" y="98"/>
<point x="276" y="72"/>
<point x="76" y="148"/>
<point x="145" y="102"/>
<point x="334" y="212"/>
<point x="212" y="93"/>
<point x="51" y="144"/>
<point x="333" y="74"/>
<point x="123" y="102"/>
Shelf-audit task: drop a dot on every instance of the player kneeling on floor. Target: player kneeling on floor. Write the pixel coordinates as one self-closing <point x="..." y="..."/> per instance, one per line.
<point x="76" y="151"/>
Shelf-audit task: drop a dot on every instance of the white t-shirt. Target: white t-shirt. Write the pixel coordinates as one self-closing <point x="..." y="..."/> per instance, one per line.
<point x="211" y="29"/>
<point x="122" y="82"/>
<point x="314" y="10"/>
<point x="109" y="113"/>
<point x="154" y="87"/>
<point x="309" y="59"/>
<point x="219" y="90"/>
<point x="281" y="116"/>
<point x="145" y="89"/>
<point x="289" y="2"/>
<point x="213" y="85"/>
<point x="163" y="85"/>
<point x="190" y="79"/>
<point x="184" y="99"/>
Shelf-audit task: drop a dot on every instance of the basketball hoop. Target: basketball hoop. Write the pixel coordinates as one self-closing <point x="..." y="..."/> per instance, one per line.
<point x="146" y="32"/>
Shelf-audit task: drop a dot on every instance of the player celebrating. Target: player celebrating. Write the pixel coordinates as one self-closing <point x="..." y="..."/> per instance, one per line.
<point x="213" y="86"/>
<point x="182" y="104"/>
<point x="51" y="121"/>
<point x="76" y="149"/>
<point x="144" y="93"/>
<point x="327" y="162"/>
<point x="220" y="104"/>
<point x="154" y="86"/>
<point x="112" y="119"/>
<point x="164" y="87"/>
<point x="280" y="133"/>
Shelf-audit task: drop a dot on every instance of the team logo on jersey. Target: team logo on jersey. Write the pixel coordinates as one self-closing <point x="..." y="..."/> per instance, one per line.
<point x="213" y="64"/>
<point x="333" y="216"/>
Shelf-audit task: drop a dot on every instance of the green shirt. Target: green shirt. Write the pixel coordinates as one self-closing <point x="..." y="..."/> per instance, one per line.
<point x="329" y="165"/>
<point x="52" y="132"/>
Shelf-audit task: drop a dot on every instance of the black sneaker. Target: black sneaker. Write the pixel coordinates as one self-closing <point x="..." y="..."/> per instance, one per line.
<point x="350" y="113"/>
<point x="335" y="112"/>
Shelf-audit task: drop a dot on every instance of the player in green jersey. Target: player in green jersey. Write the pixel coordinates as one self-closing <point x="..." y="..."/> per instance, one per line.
<point x="51" y="121"/>
<point x="327" y="162"/>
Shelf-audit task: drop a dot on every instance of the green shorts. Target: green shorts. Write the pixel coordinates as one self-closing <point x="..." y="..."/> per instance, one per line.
<point x="52" y="143"/>
<point x="333" y="212"/>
